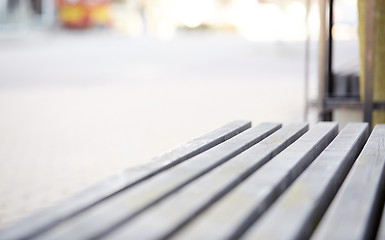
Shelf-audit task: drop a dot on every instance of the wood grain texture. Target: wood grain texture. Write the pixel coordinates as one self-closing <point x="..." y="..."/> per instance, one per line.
<point x="299" y="209"/>
<point x="381" y="228"/>
<point x="355" y="212"/>
<point x="230" y="216"/>
<point x="124" y="206"/>
<point x="196" y="197"/>
<point x="54" y="215"/>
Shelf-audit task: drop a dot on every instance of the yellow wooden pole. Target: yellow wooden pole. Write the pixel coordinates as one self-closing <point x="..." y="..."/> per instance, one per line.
<point x="379" y="54"/>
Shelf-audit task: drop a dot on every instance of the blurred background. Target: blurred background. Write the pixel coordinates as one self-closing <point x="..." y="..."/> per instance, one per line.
<point x="89" y="88"/>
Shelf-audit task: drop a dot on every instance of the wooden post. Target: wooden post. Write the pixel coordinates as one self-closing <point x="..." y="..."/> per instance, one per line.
<point x="372" y="50"/>
<point x="369" y="59"/>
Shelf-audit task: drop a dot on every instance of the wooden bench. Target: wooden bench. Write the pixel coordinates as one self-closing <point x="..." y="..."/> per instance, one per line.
<point x="264" y="182"/>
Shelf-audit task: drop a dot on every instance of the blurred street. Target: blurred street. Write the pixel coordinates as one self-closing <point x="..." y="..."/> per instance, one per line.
<point x="77" y="107"/>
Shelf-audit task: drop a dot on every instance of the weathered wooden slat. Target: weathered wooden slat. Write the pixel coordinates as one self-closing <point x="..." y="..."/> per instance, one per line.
<point x="124" y="206"/>
<point x="298" y="210"/>
<point x="199" y="195"/>
<point x="356" y="209"/>
<point x="232" y="214"/>
<point x="381" y="228"/>
<point x="103" y="190"/>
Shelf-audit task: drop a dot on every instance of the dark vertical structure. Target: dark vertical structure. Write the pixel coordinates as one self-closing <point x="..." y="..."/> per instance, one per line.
<point x="340" y="91"/>
<point x="328" y="113"/>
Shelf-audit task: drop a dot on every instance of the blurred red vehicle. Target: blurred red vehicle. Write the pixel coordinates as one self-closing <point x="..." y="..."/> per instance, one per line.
<point x="84" y="13"/>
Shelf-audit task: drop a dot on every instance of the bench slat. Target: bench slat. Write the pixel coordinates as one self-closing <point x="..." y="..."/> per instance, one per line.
<point x="354" y="212"/>
<point x="242" y="206"/>
<point x="100" y="191"/>
<point x="124" y="206"/>
<point x="381" y="228"/>
<point x="299" y="209"/>
<point x="196" y="197"/>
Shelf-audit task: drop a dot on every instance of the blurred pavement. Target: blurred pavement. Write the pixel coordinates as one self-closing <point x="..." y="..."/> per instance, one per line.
<point x="78" y="107"/>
